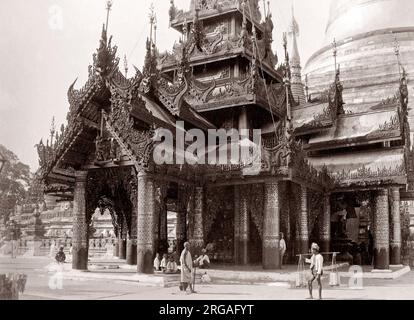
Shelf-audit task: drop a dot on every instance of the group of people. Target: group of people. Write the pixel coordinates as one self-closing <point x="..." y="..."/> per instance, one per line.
<point x="188" y="266"/>
<point x="167" y="264"/>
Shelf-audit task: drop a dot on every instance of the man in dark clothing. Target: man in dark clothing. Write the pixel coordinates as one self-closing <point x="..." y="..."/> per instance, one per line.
<point x="60" y="256"/>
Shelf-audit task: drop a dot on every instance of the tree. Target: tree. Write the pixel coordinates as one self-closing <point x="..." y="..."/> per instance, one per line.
<point x="14" y="183"/>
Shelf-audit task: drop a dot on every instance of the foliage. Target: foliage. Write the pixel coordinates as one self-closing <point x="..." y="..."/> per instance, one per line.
<point x="14" y="183"/>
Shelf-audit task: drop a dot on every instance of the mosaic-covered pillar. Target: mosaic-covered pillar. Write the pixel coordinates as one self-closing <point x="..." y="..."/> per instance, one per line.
<point x="271" y="228"/>
<point x="382" y="231"/>
<point x="162" y="224"/>
<point x="131" y="250"/>
<point x="180" y="230"/>
<point x="197" y="241"/>
<point x="395" y="248"/>
<point x="237" y="258"/>
<point x="303" y="221"/>
<point x="80" y="226"/>
<point x="244" y="228"/>
<point x="157" y="209"/>
<point x="116" y="248"/>
<point x="181" y="227"/>
<point x="122" y="242"/>
<point x="285" y="210"/>
<point x="325" y="229"/>
<point x="145" y="224"/>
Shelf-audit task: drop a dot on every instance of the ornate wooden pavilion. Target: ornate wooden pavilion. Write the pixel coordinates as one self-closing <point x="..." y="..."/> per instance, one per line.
<point x="223" y="74"/>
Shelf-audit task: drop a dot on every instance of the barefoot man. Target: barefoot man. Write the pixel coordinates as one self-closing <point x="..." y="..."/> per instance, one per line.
<point x="316" y="267"/>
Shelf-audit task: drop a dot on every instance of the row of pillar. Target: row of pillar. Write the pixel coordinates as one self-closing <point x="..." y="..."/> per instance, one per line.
<point x="271" y="225"/>
<point x="139" y="251"/>
<point x="387" y="248"/>
<point x="387" y="229"/>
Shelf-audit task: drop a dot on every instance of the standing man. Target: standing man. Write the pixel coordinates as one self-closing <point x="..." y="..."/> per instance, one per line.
<point x="282" y="248"/>
<point x="316" y="267"/>
<point x="186" y="268"/>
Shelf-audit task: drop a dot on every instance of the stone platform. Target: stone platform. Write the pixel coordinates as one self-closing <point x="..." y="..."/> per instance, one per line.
<point x="118" y="270"/>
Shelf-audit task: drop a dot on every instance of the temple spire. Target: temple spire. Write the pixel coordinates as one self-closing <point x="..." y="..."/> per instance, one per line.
<point x="295" y="63"/>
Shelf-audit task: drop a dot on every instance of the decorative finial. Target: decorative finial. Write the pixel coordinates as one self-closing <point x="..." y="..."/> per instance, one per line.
<point x="152" y="19"/>
<point x="397" y="54"/>
<point x="264" y="8"/>
<point x="126" y="66"/>
<point x="335" y="51"/>
<point x="285" y="44"/>
<point x="244" y="13"/>
<point x="108" y="9"/>
<point x="52" y="130"/>
<point x="185" y="30"/>
<point x="307" y="88"/>
<point x="396" y="47"/>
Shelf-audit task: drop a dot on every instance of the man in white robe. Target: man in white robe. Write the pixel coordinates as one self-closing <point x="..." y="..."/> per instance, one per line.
<point x="186" y="262"/>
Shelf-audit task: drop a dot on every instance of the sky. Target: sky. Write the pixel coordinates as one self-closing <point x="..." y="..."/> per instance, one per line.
<point x="47" y="44"/>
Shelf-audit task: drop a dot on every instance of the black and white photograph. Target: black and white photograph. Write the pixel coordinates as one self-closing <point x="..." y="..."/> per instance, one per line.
<point x="207" y="154"/>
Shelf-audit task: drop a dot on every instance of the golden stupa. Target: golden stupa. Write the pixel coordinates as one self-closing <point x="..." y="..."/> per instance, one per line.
<point x="371" y="37"/>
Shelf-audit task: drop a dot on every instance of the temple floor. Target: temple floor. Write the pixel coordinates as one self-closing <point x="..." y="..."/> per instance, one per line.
<point x="38" y="287"/>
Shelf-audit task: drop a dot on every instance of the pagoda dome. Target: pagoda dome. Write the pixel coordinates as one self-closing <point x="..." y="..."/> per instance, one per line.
<point x="348" y="18"/>
<point x="367" y="33"/>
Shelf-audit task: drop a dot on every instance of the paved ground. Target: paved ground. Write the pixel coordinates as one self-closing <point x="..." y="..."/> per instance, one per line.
<point x="41" y="285"/>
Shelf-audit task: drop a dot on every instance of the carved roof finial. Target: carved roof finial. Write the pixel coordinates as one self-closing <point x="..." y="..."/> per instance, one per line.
<point x="173" y="11"/>
<point x="52" y="130"/>
<point x="108" y="9"/>
<point x="397" y="54"/>
<point x="285" y="45"/>
<point x="307" y="88"/>
<point x="126" y="66"/>
<point x="335" y="52"/>
<point x="152" y="20"/>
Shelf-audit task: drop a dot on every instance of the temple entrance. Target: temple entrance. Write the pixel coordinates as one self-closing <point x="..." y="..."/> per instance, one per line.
<point x="352" y="227"/>
<point x="219" y="224"/>
<point x="220" y="241"/>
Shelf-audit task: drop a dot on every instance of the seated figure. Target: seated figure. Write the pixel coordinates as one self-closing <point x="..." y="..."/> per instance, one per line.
<point x="203" y="261"/>
<point x="164" y="262"/>
<point x="172" y="266"/>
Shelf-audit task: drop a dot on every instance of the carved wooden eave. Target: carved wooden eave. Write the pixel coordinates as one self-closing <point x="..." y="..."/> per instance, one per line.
<point x="312" y="118"/>
<point x="359" y="129"/>
<point x="285" y="162"/>
<point x="167" y="62"/>
<point x="216" y="95"/>
<point x="60" y="191"/>
<point x="365" y="169"/>
<point x="172" y="97"/>
<point x="179" y="17"/>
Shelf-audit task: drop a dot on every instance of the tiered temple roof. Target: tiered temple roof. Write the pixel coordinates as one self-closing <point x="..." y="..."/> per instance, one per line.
<point x="112" y="119"/>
